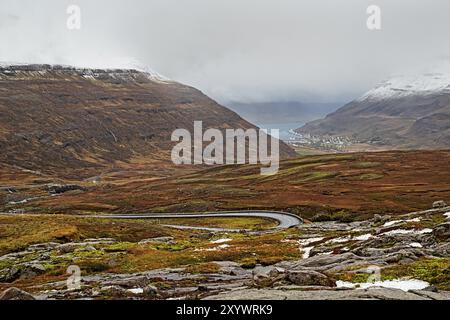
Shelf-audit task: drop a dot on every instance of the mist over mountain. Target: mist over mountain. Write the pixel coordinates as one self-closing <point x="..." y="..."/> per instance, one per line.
<point x="272" y="51"/>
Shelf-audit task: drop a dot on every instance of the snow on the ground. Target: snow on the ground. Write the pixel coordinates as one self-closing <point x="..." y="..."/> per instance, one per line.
<point x="305" y="242"/>
<point x="304" y="245"/>
<point x="340" y="239"/>
<point x="136" y="290"/>
<point x="325" y="253"/>
<point x="402" y="86"/>
<point x="223" y="240"/>
<point x="391" y="223"/>
<point x="306" y="252"/>
<point x="7" y="64"/>
<point x="24" y="200"/>
<point x="404" y="285"/>
<point x="123" y="63"/>
<point x="222" y="246"/>
<point x="403" y="231"/>
<point x="447" y="214"/>
<point x="415" y="245"/>
<point x="363" y="237"/>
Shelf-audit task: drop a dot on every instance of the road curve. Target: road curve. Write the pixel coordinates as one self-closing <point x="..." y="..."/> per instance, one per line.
<point x="285" y="220"/>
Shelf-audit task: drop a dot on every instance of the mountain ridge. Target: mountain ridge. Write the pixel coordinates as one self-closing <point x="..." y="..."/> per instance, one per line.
<point x="404" y="113"/>
<point x="80" y="121"/>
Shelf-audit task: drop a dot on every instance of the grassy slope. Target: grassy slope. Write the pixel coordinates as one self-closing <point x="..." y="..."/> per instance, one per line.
<point x="338" y="185"/>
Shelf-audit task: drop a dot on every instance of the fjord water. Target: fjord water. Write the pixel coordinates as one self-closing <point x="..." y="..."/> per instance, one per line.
<point x="284" y="128"/>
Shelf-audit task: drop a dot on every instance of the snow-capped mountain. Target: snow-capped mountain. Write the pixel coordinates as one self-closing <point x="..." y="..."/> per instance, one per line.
<point x="403" y="86"/>
<point x="119" y="67"/>
<point x="403" y="112"/>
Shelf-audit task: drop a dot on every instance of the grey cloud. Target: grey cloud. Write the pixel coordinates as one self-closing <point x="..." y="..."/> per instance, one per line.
<point x="248" y="50"/>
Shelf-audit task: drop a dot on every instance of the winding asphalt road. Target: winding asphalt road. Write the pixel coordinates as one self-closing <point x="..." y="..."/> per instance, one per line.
<point x="285" y="220"/>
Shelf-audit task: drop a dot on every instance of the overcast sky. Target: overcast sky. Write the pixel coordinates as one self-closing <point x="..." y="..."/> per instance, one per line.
<point x="246" y="50"/>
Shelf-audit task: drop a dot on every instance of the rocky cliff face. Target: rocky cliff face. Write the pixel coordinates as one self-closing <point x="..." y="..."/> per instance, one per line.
<point x="55" y="118"/>
<point x="404" y="112"/>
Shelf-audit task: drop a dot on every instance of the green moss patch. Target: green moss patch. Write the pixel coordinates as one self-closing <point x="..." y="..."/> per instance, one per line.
<point x="436" y="271"/>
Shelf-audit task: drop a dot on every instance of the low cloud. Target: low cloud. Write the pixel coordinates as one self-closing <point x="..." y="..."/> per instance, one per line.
<point x="252" y="50"/>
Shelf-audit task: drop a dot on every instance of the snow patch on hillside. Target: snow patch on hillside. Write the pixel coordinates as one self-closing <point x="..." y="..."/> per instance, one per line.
<point x="89" y="70"/>
<point x="402" y="86"/>
<point x="405" y="285"/>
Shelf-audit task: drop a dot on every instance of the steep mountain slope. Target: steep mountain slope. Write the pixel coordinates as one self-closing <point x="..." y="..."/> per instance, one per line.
<point x="404" y="112"/>
<point x="68" y="120"/>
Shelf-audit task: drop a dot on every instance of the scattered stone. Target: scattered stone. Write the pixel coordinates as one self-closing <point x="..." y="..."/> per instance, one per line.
<point x="310" y="278"/>
<point x="43" y="246"/>
<point x="15" y="294"/>
<point x="31" y="270"/>
<point x="94" y="180"/>
<point x="24" y="271"/>
<point x="267" y="276"/>
<point x="115" y="291"/>
<point x="203" y="236"/>
<point x="10" y="275"/>
<point x="156" y="240"/>
<point x="9" y="189"/>
<point x="113" y="262"/>
<point x="442" y="231"/>
<point x="67" y="248"/>
<point x="203" y="288"/>
<point x="58" y="189"/>
<point x="44" y="257"/>
<point x="323" y="261"/>
<point x="439" y="204"/>
<point x="377" y="218"/>
<point x="100" y="240"/>
<point x="250" y="264"/>
<point x="87" y="245"/>
<point x="150" y="290"/>
<point x="431" y="289"/>
<point x="89" y="248"/>
<point x="442" y="250"/>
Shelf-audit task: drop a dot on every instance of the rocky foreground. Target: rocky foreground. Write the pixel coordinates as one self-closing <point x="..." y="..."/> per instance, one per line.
<point x="402" y="257"/>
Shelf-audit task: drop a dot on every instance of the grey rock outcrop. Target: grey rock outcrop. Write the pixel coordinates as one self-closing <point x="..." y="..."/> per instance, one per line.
<point x="442" y="231"/>
<point x="310" y="278"/>
<point x="15" y="294"/>
<point x="359" y="294"/>
<point x="439" y="204"/>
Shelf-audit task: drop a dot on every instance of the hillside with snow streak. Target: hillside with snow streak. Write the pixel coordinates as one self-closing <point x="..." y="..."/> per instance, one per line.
<point x="404" y="112"/>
